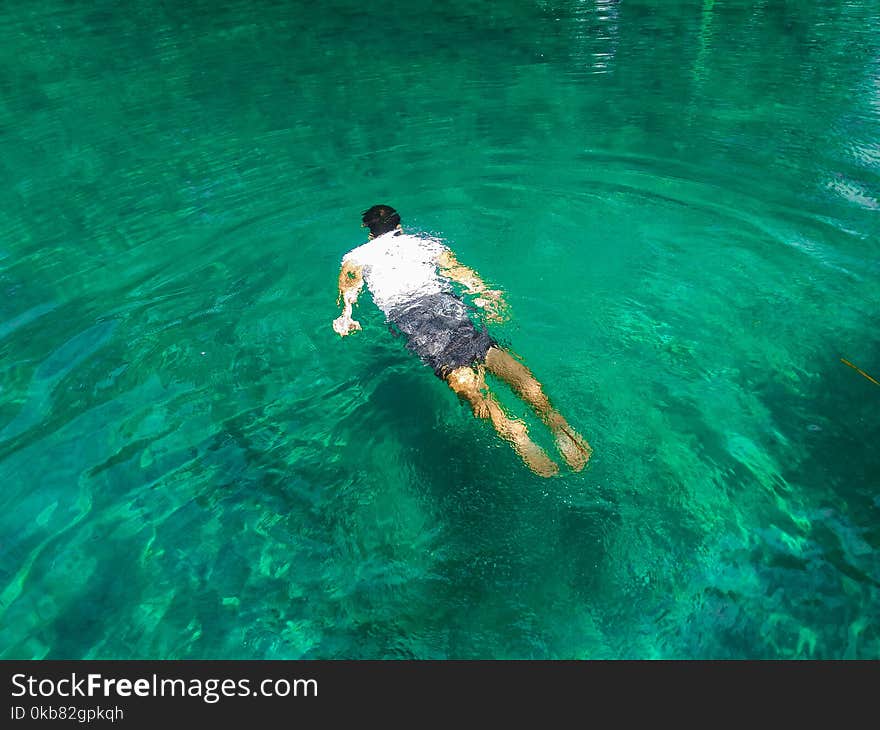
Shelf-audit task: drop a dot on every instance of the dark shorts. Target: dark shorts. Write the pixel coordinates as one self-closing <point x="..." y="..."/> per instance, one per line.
<point x="438" y="329"/>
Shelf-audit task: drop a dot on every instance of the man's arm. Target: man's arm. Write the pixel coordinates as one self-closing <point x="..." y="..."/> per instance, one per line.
<point x="492" y="300"/>
<point x="351" y="281"/>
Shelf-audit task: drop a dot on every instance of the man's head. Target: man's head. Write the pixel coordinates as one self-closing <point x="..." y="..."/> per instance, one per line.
<point x="380" y="219"/>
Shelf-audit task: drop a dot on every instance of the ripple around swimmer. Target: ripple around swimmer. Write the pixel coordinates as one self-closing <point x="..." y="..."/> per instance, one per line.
<point x="597" y="177"/>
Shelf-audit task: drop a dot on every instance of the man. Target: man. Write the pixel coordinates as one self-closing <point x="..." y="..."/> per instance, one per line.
<point x="410" y="278"/>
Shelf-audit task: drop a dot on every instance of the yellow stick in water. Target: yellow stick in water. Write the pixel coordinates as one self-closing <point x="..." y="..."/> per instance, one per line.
<point x="859" y="371"/>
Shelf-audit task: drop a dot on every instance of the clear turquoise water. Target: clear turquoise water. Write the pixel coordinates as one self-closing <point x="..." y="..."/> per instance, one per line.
<point x="681" y="201"/>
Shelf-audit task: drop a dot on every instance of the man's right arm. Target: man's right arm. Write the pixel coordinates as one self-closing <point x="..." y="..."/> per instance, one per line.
<point x="351" y="281"/>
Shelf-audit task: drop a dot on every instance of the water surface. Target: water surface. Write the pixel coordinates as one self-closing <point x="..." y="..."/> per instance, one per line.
<point x="681" y="202"/>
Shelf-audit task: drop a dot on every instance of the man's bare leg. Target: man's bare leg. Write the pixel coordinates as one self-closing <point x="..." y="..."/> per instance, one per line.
<point x="470" y="385"/>
<point x="574" y="449"/>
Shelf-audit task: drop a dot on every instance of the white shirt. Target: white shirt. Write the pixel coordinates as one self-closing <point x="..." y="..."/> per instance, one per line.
<point x="399" y="267"/>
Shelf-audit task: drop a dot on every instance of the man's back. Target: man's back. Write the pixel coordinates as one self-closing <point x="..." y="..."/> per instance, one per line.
<point x="398" y="268"/>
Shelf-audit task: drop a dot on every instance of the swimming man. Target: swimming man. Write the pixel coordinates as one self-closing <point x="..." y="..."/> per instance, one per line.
<point x="410" y="278"/>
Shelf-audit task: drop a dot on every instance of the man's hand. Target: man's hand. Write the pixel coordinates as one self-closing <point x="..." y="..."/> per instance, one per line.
<point x="344" y="325"/>
<point x="492" y="301"/>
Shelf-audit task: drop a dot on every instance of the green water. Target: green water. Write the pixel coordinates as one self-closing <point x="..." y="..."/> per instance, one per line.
<point x="681" y="202"/>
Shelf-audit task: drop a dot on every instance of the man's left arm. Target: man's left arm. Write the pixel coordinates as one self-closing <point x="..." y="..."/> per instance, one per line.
<point x="492" y="300"/>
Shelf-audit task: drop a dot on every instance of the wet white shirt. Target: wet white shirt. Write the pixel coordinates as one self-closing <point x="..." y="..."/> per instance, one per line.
<point x="399" y="267"/>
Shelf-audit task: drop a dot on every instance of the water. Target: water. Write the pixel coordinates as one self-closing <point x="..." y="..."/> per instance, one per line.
<point x="681" y="202"/>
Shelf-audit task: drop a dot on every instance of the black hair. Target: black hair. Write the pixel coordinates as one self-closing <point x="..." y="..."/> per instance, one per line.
<point x="381" y="219"/>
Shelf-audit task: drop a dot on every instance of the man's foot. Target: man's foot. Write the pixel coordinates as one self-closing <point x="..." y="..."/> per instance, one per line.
<point x="533" y="455"/>
<point x="573" y="448"/>
<point x="537" y="460"/>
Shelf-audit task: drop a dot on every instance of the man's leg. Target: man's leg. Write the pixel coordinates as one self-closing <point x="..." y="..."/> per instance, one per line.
<point x="470" y="385"/>
<point x="574" y="449"/>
